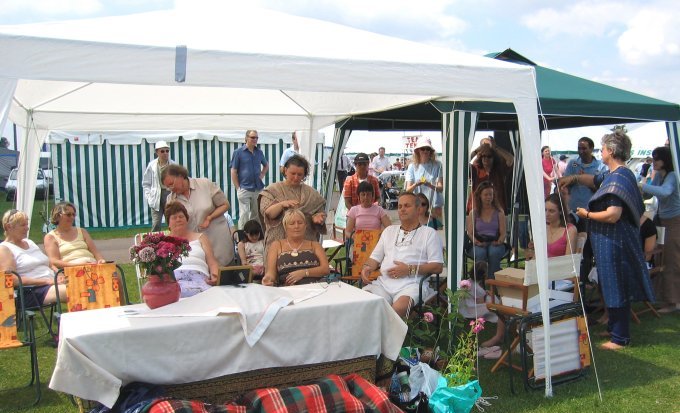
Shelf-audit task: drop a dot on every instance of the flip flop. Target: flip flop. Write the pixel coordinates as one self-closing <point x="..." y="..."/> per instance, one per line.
<point x="493" y="355"/>
<point x="486" y="350"/>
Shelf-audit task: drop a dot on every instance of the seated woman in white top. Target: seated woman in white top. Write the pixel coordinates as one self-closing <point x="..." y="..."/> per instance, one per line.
<point x="20" y="254"/>
<point x="199" y="270"/>
<point x="68" y="244"/>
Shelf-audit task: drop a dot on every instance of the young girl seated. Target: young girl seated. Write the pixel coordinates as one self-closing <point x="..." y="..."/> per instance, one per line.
<point x="366" y="215"/>
<point x="474" y="306"/>
<point x="251" y="250"/>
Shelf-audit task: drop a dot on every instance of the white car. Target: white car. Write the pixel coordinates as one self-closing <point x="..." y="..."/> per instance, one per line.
<point x="40" y="185"/>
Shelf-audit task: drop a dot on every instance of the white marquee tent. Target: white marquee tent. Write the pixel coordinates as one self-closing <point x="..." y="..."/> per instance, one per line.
<point x="214" y="67"/>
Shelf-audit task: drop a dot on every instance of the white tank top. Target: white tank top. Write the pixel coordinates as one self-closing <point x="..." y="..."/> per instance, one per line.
<point x="196" y="259"/>
<point x="31" y="262"/>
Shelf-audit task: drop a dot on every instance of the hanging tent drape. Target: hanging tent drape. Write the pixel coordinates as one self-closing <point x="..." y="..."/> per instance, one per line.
<point x="102" y="174"/>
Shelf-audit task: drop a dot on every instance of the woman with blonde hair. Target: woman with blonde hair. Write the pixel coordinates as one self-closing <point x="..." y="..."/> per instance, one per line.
<point x="295" y="260"/>
<point x="21" y="255"/>
<point x="425" y="176"/>
<point x="68" y="244"/>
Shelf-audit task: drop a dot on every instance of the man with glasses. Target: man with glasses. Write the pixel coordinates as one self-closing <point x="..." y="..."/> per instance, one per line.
<point x="248" y="169"/>
<point x="404" y="254"/>
<point x="154" y="192"/>
<point x="352" y="183"/>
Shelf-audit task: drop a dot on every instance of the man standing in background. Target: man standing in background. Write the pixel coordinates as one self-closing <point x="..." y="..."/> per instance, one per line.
<point x="343" y="168"/>
<point x="247" y="177"/>
<point x="290" y="151"/>
<point x="154" y="192"/>
<point x="380" y="163"/>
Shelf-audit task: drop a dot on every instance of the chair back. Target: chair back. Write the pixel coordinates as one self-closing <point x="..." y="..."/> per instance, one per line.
<point x="559" y="268"/>
<point x="93" y="286"/>
<point x="8" y="315"/>
<point x="364" y="241"/>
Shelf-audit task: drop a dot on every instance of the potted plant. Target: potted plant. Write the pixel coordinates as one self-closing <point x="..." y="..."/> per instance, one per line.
<point x="159" y="255"/>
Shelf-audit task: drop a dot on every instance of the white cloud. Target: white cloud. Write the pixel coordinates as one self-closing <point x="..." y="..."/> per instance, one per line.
<point x="579" y="19"/>
<point x="652" y="37"/>
<point x="424" y="20"/>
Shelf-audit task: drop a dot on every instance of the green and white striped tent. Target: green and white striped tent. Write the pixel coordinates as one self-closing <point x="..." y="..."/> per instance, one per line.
<point x="102" y="173"/>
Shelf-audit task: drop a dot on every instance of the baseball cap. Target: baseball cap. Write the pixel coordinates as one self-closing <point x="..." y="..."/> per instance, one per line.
<point x="361" y="157"/>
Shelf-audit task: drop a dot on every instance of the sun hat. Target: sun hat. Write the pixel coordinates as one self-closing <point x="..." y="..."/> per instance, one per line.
<point x="161" y="145"/>
<point x="424" y="142"/>
<point x="361" y="157"/>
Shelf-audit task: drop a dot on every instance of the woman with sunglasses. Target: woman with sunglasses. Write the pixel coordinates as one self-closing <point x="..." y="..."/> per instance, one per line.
<point x="68" y="244"/>
<point x="665" y="187"/>
<point x="490" y="166"/>
<point x="424" y="176"/>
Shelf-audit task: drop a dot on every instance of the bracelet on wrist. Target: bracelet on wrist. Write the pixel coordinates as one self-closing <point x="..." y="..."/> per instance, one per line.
<point x="588" y="215"/>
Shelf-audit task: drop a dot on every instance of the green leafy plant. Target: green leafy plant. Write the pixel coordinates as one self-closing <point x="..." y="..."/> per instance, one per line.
<point x="461" y="366"/>
<point x="436" y="327"/>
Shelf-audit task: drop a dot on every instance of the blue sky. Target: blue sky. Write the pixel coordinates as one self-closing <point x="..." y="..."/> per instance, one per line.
<point x="634" y="45"/>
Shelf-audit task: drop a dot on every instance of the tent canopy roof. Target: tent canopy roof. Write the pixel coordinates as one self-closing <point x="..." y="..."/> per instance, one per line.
<point x="565" y="100"/>
<point x="244" y="67"/>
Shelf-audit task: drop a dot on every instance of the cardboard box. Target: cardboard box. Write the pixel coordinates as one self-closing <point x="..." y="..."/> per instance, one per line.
<point x="510" y="274"/>
<point x="512" y="297"/>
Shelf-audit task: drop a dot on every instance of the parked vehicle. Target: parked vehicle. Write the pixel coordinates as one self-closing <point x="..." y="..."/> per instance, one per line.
<point x="41" y="185"/>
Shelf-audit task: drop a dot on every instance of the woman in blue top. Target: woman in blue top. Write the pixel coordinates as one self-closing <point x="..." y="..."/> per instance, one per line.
<point x="424" y="176"/>
<point x="665" y="187"/>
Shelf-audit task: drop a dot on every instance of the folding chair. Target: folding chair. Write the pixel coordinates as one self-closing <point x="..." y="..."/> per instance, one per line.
<point x="237" y="236"/>
<point x="359" y="247"/>
<point x="93" y="286"/>
<point x="518" y="291"/>
<point x="9" y="336"/>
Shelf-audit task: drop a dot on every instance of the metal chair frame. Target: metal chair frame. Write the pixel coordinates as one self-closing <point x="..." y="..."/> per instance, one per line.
<point x="29" y="338"/>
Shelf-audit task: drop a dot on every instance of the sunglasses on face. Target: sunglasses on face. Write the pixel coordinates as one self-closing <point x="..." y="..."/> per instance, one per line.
<point x="164" y="150"/>
<point x="69" y="214"/>
<point x="486" y="156"/>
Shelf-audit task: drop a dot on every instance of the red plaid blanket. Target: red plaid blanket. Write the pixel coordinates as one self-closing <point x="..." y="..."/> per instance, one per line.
<point x="331" y="394"/>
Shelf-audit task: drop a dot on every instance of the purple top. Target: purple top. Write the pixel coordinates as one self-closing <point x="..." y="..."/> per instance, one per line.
<point x="487" y="228"/>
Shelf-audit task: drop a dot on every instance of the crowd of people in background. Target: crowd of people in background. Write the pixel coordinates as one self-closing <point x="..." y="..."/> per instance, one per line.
<point x="593" y="207"/>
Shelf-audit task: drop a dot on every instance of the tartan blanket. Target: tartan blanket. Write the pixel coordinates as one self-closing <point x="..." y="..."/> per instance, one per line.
<point x="331" y="394"/>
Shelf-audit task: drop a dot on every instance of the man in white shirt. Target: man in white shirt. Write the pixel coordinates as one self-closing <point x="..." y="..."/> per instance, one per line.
<point x="405" y="253"/>
<point x="288" y="153"/>
<point x="380" y="163"/>
<point x="154" y="191"/>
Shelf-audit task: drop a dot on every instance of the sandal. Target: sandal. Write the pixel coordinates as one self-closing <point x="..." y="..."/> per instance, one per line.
<point x="493" y="355"/>
<point x="483" y="351"/>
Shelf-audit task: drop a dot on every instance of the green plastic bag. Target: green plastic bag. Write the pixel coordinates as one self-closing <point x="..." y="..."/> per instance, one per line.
<point x="458" y="399"/>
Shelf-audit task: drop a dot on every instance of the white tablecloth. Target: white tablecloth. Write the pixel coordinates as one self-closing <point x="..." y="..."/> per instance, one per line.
<point x="102" y="350"/>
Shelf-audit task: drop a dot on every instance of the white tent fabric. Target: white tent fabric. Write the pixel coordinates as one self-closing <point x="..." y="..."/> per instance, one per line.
<point x="223" y="67"/>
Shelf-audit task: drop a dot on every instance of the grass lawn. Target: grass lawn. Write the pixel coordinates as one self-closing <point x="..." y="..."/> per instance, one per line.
<point x="40" y="215"/>
<point x="642" y="378"/>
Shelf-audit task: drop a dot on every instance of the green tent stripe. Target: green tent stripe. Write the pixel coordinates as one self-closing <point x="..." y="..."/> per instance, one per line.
<point x="94" y="192"/>
<point x="106" y="169"/>
<point x="459" y="128"/>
